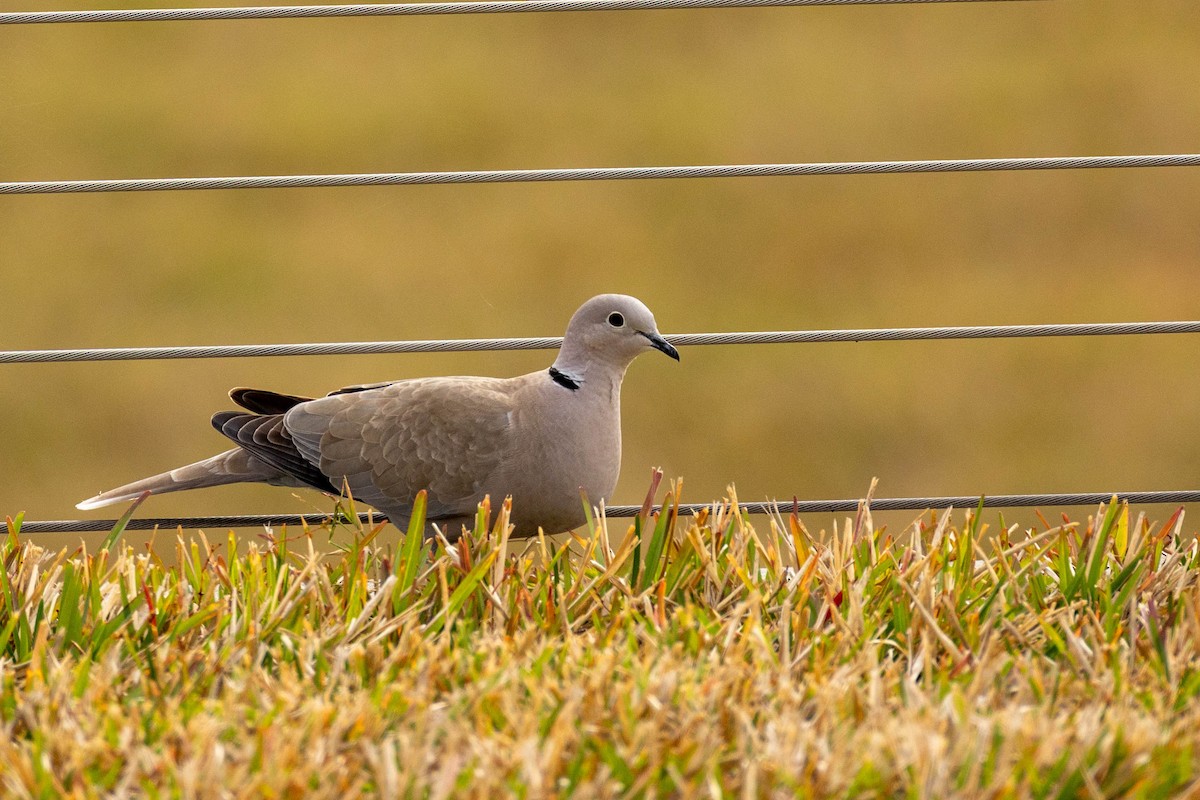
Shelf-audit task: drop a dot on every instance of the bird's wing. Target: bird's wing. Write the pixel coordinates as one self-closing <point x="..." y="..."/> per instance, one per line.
<point x="265" y="437"/>
<point x="264" y="401"/>
<point x="447" y="435"/>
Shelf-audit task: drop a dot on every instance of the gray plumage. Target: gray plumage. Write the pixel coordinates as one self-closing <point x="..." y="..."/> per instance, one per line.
<point x="540" y="437"/>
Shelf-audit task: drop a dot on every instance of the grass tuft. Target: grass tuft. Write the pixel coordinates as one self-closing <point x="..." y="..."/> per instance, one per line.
<point x="669" y="656"/>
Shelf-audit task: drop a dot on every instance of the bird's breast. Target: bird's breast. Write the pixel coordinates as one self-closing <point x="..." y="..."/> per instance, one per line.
<point x="561" y="448"/>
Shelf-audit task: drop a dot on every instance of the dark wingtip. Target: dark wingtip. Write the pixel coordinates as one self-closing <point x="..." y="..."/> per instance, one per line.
<point x="262" y="401"/>
<point x="221" y="417"/>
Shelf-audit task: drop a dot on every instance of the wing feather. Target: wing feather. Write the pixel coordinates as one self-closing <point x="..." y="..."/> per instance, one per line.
<point x="446" y="435"/>
<point x="266" y="438"/>
<point x="263" y="401"/>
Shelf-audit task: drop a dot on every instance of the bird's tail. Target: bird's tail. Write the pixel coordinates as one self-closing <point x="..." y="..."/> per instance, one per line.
<point x="232" y="466"/>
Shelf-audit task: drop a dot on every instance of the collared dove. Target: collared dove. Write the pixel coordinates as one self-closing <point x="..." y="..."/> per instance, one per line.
<point x="540" y="437"/>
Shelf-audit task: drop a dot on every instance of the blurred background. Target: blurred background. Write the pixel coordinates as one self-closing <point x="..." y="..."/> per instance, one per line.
<point x="619" y="89"/>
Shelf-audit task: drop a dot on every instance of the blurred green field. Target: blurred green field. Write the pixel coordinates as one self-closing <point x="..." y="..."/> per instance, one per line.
<point x="617" y="89"/>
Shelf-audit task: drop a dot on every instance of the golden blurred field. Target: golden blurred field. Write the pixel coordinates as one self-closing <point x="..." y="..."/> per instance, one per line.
<point x="617" y="89"/>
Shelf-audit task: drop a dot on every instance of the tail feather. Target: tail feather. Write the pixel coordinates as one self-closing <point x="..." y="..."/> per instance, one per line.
<point x="232" y="466"/>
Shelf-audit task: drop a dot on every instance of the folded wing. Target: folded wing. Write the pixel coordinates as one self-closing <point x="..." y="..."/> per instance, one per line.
<point x="446" y="435"/>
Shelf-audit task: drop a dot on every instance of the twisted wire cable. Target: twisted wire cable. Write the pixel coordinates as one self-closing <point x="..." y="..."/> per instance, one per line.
<point x="598" y="174"/>
<point x="414" y="9"/>
<point x="621" y="511"/>
<point x="552" y="342"/>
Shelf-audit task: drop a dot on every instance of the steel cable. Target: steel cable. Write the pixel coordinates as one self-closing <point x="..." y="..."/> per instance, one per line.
<point x="413" y="9"/>
<point x="800" y="506"/>
<point x="598" y="174"/>
<point x="551" y="342"/>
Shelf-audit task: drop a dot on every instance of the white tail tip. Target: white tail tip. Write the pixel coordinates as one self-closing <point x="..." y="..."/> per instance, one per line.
<point x="99" y="501"/>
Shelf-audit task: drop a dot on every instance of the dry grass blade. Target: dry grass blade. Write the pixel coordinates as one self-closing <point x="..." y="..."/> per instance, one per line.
<point x="711" y="659"/>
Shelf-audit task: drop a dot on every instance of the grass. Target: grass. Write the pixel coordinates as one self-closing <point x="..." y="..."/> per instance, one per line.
<point x="673" y="657"/>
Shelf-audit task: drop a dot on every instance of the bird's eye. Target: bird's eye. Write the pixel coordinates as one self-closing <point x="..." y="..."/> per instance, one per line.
<point x="615" y="319"/>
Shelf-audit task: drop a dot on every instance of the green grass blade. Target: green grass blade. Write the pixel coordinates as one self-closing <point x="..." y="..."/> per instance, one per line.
<point x="119" y="528"/>
<point x="412" y="554"/>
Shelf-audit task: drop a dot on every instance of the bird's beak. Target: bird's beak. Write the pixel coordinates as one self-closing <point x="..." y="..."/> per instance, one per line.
<point x="661" y="344"/>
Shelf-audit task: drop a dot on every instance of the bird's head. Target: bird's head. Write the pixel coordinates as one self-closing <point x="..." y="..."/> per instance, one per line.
<point x="611" y="329"/>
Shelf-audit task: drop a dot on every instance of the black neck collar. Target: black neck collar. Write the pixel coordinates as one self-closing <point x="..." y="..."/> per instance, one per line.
<point x="563" y="379"/>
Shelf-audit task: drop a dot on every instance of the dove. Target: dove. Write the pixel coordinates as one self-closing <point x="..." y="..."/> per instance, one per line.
<point x="541" y="438"/>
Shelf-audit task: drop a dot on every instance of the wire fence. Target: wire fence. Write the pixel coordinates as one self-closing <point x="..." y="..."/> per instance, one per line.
<point x="600" y="174"/>
<point x="552" y="342"/>
<point x="419" y="9"/>
<point x="622" y="511"/>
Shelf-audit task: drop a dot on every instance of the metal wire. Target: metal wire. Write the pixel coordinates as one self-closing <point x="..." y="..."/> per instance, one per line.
<point x="599" y="174"/>
<point x="552" y="342"/>
<point x="414" y="9"/>
<point x="799" y="506"/>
